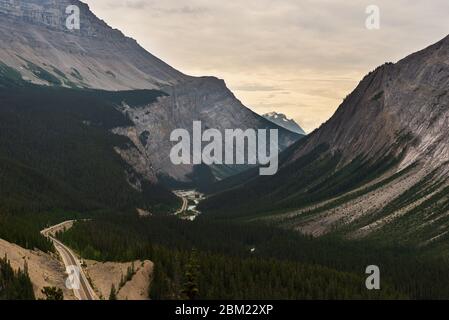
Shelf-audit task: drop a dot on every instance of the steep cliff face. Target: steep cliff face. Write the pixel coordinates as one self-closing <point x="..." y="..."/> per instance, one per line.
<point x="204" y="99"/>
<point x="379" y="164"/>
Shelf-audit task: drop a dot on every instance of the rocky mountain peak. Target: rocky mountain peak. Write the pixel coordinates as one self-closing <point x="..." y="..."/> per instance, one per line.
<point x="281" y="120"/>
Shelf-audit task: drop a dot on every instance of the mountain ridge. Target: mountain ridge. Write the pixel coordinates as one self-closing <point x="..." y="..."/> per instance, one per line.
<point x="95" y="56"/>
<point x="377" y="168"/>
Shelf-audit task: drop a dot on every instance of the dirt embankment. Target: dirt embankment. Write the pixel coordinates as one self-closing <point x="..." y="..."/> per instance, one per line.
<point x="105" y="274"/>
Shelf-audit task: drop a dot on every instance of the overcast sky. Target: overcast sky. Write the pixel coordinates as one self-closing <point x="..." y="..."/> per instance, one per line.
<point x="298" y="57"/>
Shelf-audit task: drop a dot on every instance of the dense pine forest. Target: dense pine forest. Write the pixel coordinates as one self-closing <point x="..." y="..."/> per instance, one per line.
<point x="180" y="271"/>
<point x="253" y="261"/>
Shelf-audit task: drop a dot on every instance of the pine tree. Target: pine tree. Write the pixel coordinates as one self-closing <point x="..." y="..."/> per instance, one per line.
<point x="113" y="293"/>
<point x="53" y="293"/>
<point x="190" y="288"/>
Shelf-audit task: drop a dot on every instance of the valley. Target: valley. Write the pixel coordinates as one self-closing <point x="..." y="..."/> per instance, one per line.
<point x="88" y="125"/>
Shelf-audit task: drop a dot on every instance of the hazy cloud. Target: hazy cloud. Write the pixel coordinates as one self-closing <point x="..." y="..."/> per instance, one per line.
<point x="136" y="4"/>
<point x="257" y="87"/>
<point x="316" y="50"/>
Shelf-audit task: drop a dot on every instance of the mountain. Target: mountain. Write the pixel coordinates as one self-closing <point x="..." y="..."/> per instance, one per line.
<point x="378" y="168"/>
<point x="35" y="42"/>
<point x="79" y="140"/>
<point x="206" y="99"/>
<point x="282" y="121"/>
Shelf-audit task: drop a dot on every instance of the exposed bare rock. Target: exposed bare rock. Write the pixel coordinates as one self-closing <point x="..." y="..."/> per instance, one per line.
<point x="380" y="165"/>
<point x="205" y="99"/>
<point x="399" y="109"/>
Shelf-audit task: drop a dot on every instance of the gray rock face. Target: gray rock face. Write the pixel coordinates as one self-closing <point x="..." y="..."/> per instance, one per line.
<point x="379" y="167"/>
<point x="282" y="121"/>
<point x="201" y="99"/>
<point x="399" y="110"/>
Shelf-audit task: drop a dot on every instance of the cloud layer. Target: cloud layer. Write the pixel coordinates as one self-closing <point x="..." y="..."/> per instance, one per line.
<point x="299" y="57"/>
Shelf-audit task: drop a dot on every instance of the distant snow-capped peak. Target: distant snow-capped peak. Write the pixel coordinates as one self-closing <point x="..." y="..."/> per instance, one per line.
<point x="281" y="120"/>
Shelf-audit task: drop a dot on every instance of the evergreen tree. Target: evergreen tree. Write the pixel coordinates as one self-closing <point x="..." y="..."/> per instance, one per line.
<point x="53" y="293"/>
<point x="113" y="293"/>
<point x="190" y="287"/>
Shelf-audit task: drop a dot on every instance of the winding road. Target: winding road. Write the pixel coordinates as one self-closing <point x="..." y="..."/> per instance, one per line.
<point x="190" y="200"/>
<point x="70" y="260"/>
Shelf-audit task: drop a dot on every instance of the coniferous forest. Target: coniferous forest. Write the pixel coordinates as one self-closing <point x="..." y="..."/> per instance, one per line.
<point x="57" y="159"/>
<point x="57" y="163"/>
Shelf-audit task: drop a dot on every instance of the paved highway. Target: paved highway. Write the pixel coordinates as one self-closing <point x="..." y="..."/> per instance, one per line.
<point x="185" y="203"/>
